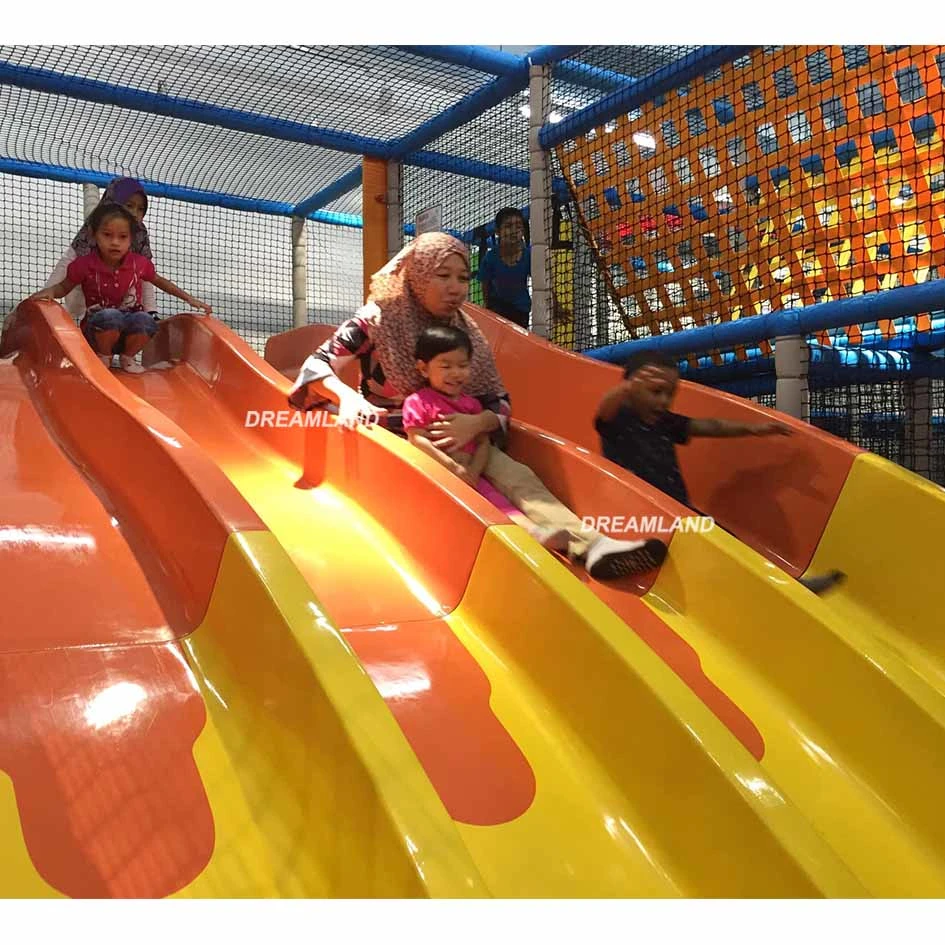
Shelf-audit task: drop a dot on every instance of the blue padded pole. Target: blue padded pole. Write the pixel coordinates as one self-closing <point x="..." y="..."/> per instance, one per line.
<point x="463" y="111"/>
<point x="493" y="61"/>
<point x="91" y="90"/>
<point x="662" y="80"/>
<point x="188" y="194"/>
<point x="890" y="303"/>
<point x="545" y="55"/>
<point x="339" y="188"/>
<point x="434" y="161"/>
<point x="591" y="77"/>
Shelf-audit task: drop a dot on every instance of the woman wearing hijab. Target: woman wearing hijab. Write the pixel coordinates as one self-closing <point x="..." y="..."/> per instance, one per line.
<point x="128" y="193"/>
<point x="427" y="283"/>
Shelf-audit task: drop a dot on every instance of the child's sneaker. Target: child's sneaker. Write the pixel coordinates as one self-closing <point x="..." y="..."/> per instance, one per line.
<point x="823" y="582"/>
<point x="608" y="558"/>
<point x="128" y="364"/>
<point x="106" y="359"/>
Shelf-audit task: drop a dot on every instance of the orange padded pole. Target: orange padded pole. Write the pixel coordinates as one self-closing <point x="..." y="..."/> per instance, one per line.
<point x="374" y="215"/>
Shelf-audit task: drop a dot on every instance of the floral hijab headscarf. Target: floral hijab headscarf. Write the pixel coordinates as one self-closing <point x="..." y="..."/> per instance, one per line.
<point x="397" y="317"/>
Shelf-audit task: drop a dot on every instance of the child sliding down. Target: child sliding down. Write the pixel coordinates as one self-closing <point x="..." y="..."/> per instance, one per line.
<point x="112" y="277"/>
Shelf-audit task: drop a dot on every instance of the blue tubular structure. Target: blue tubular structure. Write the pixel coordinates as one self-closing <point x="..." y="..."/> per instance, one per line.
<point x="339" y="188"/>
<point x="493" y="61"/>
<point x="888" y="304"/>
<point x="189" y="194"/>
<point x="662" y="80"/>
<point x="463" y="111"/>
<point x="545" y="55"/>
<point x="434" y="161"/>
<point x="92" y="90"/>
<point x="591" y="77"/>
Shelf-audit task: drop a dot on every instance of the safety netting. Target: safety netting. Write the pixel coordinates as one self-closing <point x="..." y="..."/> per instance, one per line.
<point x="786" y="177"/>
<point x="763" y="179"/>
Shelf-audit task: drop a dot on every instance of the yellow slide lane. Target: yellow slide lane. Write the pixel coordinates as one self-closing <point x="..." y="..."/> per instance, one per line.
<point x="313" y="788"/>
<point x="886" y="532"/>
<point x="852" y="736"/>
<point x="638" y="789"/>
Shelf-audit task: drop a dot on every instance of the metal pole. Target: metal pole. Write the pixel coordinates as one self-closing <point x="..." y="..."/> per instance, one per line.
<point x="917" y="395"/>
<point x="90" y="199"/>
<point x="395" y="208"/>
<point x="790" y="364"/>
<point x="540" y="200"/>
<point x="299" y="274"/>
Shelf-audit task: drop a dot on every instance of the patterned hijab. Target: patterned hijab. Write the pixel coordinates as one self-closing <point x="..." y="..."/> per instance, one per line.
<point x="119" y="191"/>
<point x="397" y="317"/>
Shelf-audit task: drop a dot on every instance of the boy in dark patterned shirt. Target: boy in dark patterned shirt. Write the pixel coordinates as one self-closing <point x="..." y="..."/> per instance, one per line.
<point x="639" y="432"/>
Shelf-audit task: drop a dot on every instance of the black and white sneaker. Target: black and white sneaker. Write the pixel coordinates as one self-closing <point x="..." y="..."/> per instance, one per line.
<point x="821" y="583"/>
<point x="608" y="559"/>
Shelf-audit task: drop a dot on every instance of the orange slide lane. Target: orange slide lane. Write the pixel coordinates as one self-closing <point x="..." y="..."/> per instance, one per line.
<point x="584" y="487"/>
<point x="820" y="699"/>
<point x="389" y="597"/>
<point x="776" y="496"/>
<point x="178" y="715"/>
<point x="99" y="712"/>
<point x="592" y="491"/>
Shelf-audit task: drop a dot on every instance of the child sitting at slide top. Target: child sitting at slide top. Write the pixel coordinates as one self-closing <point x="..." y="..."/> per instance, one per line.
<point x="639" y="432"/>
<point x="443" y="354"/>
<point x="112" y="277"/>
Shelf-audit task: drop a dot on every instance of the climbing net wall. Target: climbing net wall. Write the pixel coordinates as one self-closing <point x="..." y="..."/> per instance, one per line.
<point x="790" y="176"/>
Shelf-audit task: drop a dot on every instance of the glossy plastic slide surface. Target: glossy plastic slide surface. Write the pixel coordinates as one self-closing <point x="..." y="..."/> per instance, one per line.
<point x="843" y="708"/>
<point x="571" y="759"/>
<point x="178" y="715"/>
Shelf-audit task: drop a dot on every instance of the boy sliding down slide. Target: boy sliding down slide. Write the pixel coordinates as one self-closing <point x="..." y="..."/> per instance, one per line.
<point x="639" y="432"/>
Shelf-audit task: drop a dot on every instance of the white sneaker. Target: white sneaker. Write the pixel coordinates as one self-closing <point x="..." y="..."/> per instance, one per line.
<point x="608" y="558"/>
<point x="106" y="359"/>
<point x="129" y="364"/>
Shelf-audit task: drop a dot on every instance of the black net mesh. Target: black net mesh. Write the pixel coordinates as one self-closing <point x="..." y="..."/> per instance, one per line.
<point x="38" y="219"/>
<point x="54" y="130"/>
<point x="376" y="91"/>
<point x="335" y="277"/>
<point x="902" y="420"/>
<point x="241" y="263"/>
<point x="468" y="204"/>
<point x="790" y="176"/>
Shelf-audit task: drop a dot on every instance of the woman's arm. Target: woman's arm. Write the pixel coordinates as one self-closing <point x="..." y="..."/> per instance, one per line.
<point x="167" y="286"/>
<point x="319" y="381"/>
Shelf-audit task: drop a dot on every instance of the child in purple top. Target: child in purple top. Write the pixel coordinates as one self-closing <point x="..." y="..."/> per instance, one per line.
<point x="442" y="355"/>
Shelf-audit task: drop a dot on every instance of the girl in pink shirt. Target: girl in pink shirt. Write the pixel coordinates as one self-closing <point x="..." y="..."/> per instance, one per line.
<point x="112" y="278"/>
<point x="443" y="358"/>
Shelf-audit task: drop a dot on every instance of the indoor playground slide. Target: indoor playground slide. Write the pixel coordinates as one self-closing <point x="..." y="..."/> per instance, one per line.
<point x="840" y="699"/>
<point x="208" y="618"/>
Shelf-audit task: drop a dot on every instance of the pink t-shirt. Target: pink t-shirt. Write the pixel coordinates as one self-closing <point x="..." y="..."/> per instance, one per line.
<point x="427" y="405"/>
<point x="105" y="287"/>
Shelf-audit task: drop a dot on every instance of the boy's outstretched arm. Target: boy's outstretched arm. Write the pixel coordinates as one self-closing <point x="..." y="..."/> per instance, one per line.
<point x="58" y="291"/>
<point x="165" y="285"/>
<point x="612" y="401"/>
<point x="709" y="426"/>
